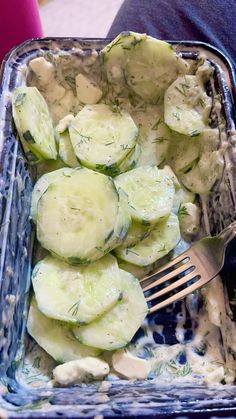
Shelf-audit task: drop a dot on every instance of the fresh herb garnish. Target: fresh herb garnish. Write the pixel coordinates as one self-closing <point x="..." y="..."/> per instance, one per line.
<point x="37" y="361"/>
<point x="159" y="140"/>
<point x="182" y="211"/>
<point x="156" y="125"/>
<point x="201" y="102"/>
<point x="74" y="309"/>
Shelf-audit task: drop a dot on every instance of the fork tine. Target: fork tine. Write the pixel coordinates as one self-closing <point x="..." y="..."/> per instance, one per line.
<point x="181" y="269"/>
<point x="181" y="294"/>
<point x="174" y="285"/>
<point x="169" y="265"/>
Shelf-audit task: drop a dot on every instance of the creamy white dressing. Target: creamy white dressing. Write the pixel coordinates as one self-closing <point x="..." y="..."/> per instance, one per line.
<point x="58" y="86"/>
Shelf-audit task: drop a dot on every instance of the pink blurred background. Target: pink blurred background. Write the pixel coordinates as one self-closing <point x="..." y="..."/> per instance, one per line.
<point x="19" y="20"/>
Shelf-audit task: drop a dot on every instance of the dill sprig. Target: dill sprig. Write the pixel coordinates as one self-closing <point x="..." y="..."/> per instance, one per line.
<point x="182" y="211"/>
<point x="74" y="309"/>
<point x="156" y="125"/>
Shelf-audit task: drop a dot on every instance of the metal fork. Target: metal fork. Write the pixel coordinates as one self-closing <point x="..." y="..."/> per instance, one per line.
<point x="189" y="271"/>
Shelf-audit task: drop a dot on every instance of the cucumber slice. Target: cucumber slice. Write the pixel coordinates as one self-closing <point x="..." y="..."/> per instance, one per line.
<point x="56" y="339"/>
<point x="209" y="167"/>
<point x="123" y="221"/>
<point x="66" y="151"/>
<point x="151" y="67"/>
<point x="114" y="56"/>
<point x="131" y="160"/>
<point x="116" y="328"/>
<point x="153" y="135"/>
<point x="136" y="232"/>
<point x="33" y="122"/>
<point x="102" y="138"/>
<point x="76" y="295"/>
<point x="41" y="186"/>
<point x="187" y="106"/>
<point x="121" y="227"/>
<point x="150" y="193"/>
<point x="161" y="240"/>
<point x="183" y="152"/>
<point x="77" y="215"/>
<point x="169" y="172"/>
<point x="203" y="176"/>
<point x="46" y="166"/>
<point x="138" y="271"/>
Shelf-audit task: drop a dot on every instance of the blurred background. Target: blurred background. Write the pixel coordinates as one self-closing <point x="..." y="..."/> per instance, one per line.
<point x="36" y="18"/>
<point x="85" y="18"/>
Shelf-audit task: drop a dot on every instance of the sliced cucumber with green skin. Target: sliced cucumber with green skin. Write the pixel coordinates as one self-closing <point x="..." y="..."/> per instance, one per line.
<point x="169" y="172"/>
<point x="123" y="221"/>
<point x="183" y="152"/>
<point x="76" y="295"/>
<point x="131" y="160"/>
<point x="136" y="232"/>
<point x="102" y="138"/>
<point x="33" y="122"/>
<point x="77" y="215"/>
<point x="209" y="167"/>
<point x="46" y="166"/>
<point x="187" y="106"/>
<point x="121" y="227"/>
<point x="114" y="56"/>
<point x="116" y="328"/>
<point x="204" y="174"/>
<point x="138" y="271"/>
<point x="41" y="186"/>
<point x="150" y="193"/>
<point x="151" y="67"/>
<point x="56" y="339"/>
<point x="161" y="240"/>
<point x="66" y="151"/>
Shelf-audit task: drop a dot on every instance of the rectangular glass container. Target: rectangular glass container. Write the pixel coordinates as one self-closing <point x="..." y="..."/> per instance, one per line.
<point x="120" y="398"/>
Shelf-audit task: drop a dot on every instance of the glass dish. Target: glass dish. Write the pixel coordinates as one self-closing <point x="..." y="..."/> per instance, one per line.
<point x="119" y="398"/>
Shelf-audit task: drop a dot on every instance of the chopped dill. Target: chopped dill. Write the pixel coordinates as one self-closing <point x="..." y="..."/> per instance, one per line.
<point x="201" y="102"/>
<point x="74" y="309"/>
<point x="159" y="140"/>
<point x="114" y="44"/>
<point x="182" y="211"/>
<point x="156" y="125"/>
<point x="37" y="361"/>
<point x="181" y="91"/>
<point x="129" y="250"/>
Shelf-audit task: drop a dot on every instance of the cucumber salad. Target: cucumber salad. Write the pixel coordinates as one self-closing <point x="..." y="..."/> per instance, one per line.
<point x="125" y="143"/>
